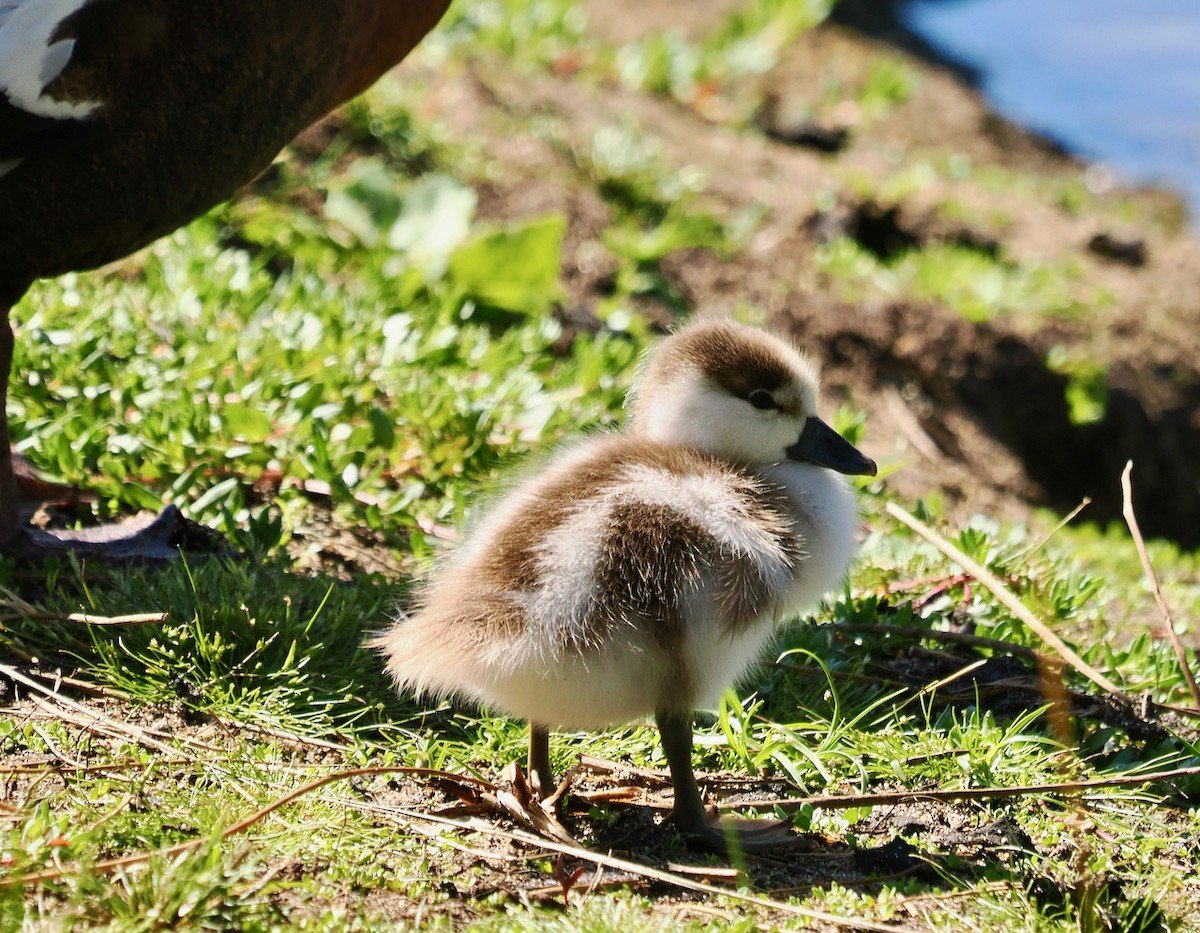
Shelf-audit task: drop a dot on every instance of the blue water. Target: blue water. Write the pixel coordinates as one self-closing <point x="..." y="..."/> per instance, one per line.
<point x="1116" y="81"/>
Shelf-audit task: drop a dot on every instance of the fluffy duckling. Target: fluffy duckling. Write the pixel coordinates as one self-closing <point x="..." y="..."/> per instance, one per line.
<point x="641" y="573"/>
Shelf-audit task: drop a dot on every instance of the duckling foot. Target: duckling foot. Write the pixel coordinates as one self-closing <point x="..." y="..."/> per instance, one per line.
<point x="702" y="829"/>
<point x="733" y="835"/>
<point x="145" y="538"/>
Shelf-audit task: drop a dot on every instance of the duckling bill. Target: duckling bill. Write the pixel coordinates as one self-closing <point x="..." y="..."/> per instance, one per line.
<point x="642" y="572"/>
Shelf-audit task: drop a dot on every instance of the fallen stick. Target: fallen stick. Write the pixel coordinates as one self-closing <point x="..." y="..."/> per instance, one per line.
<point x="933" y="634"/>
<point x="655" y="874"/>
<point x="138" y="858"/>
<point x="791" y="804"/>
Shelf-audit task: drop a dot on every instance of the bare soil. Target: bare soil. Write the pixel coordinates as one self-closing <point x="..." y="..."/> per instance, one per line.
<point x="970" y="409"/>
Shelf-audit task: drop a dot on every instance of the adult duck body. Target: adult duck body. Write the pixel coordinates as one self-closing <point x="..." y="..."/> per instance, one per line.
<point x="121" y="120"/>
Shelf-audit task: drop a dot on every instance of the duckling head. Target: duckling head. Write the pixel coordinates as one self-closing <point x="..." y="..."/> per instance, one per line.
<point x="734" y="392"/>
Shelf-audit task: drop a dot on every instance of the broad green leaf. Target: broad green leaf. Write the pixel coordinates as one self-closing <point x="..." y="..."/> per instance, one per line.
<point x="366" y="202"/>
<point x="513" y="269"/>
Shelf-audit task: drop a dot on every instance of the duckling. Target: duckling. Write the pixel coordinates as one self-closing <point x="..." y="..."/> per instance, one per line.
<point x="641" y="573"/>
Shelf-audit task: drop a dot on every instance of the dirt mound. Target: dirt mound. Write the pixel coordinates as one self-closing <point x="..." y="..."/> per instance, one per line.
<point x="988" y="421"/>
<point x="975" y="410"/>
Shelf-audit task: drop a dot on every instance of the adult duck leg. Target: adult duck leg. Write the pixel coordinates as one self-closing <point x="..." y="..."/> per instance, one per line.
<point x="690" y="816"/>
<point x="148" y="538"/>
<point x="10" y="521"/>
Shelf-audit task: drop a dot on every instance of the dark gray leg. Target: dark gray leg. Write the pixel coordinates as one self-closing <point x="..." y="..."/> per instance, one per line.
<point x="539" y="759"/>
<point x="690" y="816"/>
<point x="137" y="540"/>
<point x="675" y="732"/>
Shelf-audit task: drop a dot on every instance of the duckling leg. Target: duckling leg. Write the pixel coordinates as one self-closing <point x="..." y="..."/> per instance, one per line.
<point x="539" y="769"/>
<point x="690" y="816"/>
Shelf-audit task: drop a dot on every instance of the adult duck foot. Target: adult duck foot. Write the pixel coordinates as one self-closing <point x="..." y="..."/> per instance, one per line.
<point x="146" y="538"/>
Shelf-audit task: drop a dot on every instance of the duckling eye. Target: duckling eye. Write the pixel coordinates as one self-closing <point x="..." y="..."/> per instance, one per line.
<point x="762" y="400"/>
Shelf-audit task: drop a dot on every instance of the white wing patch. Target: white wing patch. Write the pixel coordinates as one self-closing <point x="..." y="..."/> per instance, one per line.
<point x="561" y="609"/>
<point x="562" y="603"/>
<point x="29" y="61"/>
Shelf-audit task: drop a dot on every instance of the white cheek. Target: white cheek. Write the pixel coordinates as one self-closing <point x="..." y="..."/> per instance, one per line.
<point x="673" y="419"/>
<point x="747" y="432"/>
<point x="716" y="422"/>
<point x="29" y="61"/>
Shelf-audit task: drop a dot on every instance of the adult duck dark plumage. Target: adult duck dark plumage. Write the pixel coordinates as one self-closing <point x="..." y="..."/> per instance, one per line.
<point x="121" y="120"/>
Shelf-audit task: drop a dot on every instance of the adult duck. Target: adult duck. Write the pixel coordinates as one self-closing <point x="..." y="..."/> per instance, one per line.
<point x="120" y="120"/>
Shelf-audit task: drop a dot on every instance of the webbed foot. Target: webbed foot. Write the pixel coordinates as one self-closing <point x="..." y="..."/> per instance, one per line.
<point x="731" y="834"/>
<point x="146" y="538"/>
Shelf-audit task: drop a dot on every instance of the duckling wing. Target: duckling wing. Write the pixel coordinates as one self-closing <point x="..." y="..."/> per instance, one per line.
<point x="661" y="541"/>
<point x="696" y="554"/>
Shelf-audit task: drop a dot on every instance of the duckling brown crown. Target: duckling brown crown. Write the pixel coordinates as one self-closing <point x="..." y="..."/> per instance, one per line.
<point x="725" y="389"/>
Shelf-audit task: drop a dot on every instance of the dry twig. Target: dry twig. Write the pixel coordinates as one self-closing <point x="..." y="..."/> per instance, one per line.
<point x="933" y="634"/>
<point x="1131" y="521"/>
<point x="654" y="874"/>
<point x="968" y="793"/>
<point x="138" y="858"/>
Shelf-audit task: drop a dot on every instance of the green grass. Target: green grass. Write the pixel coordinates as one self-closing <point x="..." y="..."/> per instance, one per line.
<point x="357" y="371"/>
<point x="968" y="280"/>
<point x="748" y="42"/>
